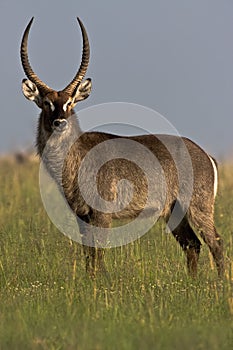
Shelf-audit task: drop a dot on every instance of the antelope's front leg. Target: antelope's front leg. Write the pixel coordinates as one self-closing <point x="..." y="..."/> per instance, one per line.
<point x="90" y="260"/>
<point x="94" y="231"/>
<point x="88" y="243"/>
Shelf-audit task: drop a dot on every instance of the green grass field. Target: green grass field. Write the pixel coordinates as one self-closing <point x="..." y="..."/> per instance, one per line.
<point x="48" y="302"/>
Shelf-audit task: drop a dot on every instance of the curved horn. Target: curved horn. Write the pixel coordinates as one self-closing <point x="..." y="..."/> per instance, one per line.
<point x="84" y="63"/>
<point x="42" y="87"/>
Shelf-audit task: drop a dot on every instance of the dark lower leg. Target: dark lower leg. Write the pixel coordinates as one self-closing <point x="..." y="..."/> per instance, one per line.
<point x="192" y="254"/>
<point x="190" y="244"/>
<point x="94" y="236"/>
<point x="90" y="259"/>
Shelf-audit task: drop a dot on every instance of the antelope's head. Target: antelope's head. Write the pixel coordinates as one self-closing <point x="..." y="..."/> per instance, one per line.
<point x="56" y="106"/>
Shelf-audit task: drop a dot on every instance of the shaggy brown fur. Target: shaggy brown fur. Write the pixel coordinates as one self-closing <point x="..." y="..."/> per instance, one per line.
<point x="181" y="176"/>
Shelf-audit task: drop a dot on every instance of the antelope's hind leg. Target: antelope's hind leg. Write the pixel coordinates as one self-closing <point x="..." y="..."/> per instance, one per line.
<point x="215" y="244"/>
<point x="209" y="234"/>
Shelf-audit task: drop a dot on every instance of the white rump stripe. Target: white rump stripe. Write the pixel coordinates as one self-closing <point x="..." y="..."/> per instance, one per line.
<point x="215" y="176"/>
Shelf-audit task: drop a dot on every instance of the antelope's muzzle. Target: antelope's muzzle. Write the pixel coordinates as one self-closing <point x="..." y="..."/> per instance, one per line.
<point x="60" y="125"/>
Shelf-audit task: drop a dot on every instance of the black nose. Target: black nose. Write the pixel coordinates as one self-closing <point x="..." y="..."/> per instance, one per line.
<point x="60" y="123"/>
<point x="56" y="123"/>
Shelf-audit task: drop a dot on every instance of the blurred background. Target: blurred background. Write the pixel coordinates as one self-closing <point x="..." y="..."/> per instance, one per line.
<point x="175" y="57"/>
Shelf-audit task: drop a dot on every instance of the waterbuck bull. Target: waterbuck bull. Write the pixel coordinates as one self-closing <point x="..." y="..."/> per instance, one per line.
<point x="180" y="182"/>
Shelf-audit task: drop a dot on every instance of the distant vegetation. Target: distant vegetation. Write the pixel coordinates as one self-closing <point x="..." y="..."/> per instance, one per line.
<point x="48" y="301"/>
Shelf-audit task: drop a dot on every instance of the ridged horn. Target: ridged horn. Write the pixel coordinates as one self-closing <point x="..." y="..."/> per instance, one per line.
<point x="84" y="63"/>
<point x="42" y="87"/>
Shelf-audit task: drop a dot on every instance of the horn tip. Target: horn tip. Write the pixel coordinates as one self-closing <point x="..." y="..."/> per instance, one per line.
<point x="79" y="21"/>
<point x="29" y="25"/>
<point x="31" y="20"/>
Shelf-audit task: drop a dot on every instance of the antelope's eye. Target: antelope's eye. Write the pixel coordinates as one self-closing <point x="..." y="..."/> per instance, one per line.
<point x="69" y="103"/>
<point x="46" y="104"/>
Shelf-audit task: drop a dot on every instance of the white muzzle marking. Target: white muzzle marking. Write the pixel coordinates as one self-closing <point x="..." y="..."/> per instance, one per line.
<point x="60" y="125"/>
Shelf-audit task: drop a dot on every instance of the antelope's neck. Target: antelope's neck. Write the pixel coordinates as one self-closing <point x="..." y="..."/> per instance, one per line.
<point x="53" y="147"/>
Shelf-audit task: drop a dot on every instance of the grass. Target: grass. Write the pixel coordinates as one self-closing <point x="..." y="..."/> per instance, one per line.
<point x="48" y="302"/>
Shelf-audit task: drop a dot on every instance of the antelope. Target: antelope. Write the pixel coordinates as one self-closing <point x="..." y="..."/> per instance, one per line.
<point x="183" y="183"/>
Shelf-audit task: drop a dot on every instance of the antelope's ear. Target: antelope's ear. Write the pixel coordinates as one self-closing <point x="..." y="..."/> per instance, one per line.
<point x="83" y="91"/>
<point x="31" y="92"/>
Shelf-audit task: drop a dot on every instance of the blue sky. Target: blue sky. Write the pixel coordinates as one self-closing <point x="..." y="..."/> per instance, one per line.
<point x="172" y="56"/>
